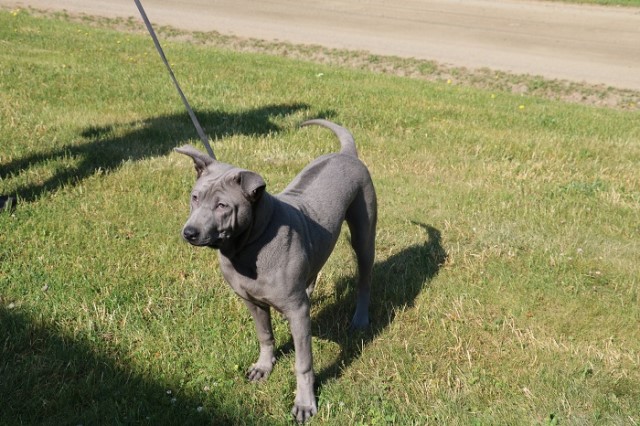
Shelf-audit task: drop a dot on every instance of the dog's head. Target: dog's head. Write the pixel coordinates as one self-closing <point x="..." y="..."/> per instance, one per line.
<point x="222" y="201"/>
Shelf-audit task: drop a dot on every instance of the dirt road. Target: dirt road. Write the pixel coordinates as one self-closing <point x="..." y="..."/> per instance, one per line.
<point x="556" y="40"/>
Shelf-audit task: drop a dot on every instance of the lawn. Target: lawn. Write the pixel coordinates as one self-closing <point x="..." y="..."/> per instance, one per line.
<point x="506" y="287"/>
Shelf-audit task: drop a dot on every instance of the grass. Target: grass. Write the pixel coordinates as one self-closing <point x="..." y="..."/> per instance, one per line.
<point x="481" y="78"/>
<point x="506" y="282"/>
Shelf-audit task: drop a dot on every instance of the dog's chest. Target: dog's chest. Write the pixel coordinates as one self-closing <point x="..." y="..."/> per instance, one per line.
<point x="273" y="285"/>
<point x="246" y="283"/>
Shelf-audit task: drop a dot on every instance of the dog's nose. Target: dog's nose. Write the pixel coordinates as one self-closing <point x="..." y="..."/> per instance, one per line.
<point x="190" y="233"/>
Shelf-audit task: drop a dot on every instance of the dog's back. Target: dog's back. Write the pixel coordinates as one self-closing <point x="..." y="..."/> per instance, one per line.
<point x="326" y="188"/>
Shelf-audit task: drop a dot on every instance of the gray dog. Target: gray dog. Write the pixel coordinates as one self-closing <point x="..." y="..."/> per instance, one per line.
<point x="271" y="248"/>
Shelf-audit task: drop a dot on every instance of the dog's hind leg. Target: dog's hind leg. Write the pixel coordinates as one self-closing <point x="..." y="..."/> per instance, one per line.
<point x="361" y="218"/>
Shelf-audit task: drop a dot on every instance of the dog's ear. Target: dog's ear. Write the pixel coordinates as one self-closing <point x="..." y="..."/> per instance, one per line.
<point x="200" y="159"/>
<point x="251" y="183"/>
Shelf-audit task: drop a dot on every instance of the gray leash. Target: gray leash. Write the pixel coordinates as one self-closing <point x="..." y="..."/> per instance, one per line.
<point x="194" y="119"/>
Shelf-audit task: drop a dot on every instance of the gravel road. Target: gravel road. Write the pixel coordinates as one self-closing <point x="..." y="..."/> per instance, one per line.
<point x="592" y="44"/>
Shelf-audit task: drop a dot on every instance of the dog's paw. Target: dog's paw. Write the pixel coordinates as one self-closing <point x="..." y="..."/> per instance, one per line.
<point x="359" y="323"/>
<point x="303" y="413"/>
<point x="256" y="373"/>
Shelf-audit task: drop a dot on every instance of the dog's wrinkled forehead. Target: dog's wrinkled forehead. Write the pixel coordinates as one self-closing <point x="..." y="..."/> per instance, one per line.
<point x="213" y="175"/>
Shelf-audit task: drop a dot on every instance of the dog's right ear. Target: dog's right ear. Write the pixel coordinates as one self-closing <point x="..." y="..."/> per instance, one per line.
<point x="200" y="159"/>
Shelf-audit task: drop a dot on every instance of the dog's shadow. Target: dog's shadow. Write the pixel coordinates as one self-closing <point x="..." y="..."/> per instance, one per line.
<point x="397" y="281"/>
<point x="104" y="148"/>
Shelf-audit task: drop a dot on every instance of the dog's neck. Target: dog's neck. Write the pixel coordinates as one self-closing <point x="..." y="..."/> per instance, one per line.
<point x="260" y="222"/>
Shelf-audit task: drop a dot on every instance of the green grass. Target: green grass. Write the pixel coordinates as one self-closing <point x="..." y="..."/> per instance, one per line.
<point x="506" y="286"/>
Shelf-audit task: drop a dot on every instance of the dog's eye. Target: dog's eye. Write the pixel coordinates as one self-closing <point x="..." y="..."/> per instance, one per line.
<point x="194" y="198"/>
<point x="221" y="206"/>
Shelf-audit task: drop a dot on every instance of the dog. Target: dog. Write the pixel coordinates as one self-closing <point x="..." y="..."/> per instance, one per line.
<point x="272" y="247"/>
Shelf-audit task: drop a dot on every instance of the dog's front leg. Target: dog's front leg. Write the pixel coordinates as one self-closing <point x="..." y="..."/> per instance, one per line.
<point x="262" y="318"/>
<point x="304" y="405"/>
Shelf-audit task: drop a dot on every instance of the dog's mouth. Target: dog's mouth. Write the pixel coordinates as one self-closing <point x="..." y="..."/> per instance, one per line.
<point x="215" y="244"/>
<point x="196" y="238"/>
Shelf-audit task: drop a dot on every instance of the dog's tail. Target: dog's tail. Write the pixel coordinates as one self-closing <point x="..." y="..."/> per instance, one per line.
<point x="344" y="136"/>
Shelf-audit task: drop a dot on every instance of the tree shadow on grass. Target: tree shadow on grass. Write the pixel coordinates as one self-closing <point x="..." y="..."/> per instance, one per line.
<point x="157" y="136"/>
<point x="397" y="282"/>
<point x="50" y="378"/>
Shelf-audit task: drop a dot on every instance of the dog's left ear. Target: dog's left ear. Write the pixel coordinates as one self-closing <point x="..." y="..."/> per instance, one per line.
<point x="200" y="160"/>
<point x="252" y="184"/>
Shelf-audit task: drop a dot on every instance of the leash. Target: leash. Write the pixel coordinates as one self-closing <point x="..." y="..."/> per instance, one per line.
<point x="194" y="119"/>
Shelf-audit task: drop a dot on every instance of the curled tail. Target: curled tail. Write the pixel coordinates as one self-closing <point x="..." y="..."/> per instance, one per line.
<point x="344" y="136"/>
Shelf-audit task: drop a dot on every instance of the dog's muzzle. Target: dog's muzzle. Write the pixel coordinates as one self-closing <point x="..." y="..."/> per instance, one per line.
<point x="194" y="237"/>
